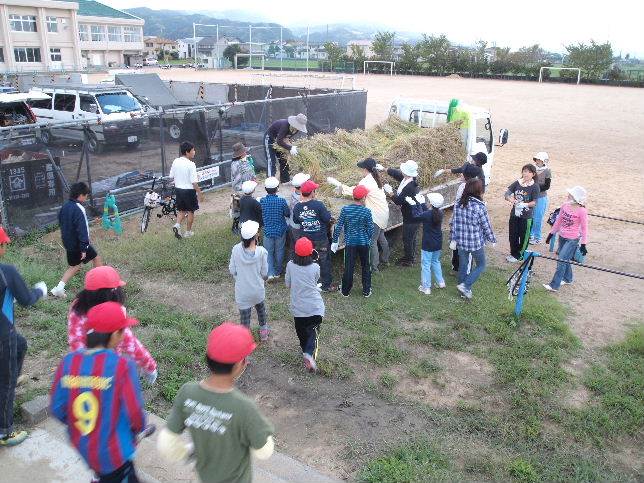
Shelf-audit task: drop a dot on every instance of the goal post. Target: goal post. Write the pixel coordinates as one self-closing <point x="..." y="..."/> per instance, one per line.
<point x="391" y="65"/>
<point x="308" y="80"/>
<point x="250" y="56"/>
<point x="560" y="68"/>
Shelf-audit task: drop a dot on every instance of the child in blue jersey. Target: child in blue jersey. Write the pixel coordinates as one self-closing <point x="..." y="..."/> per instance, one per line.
<point x="96" y="393"/>
<point x="357" y="223"/>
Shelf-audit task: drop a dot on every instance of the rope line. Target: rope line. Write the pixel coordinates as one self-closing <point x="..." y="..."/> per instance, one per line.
<point x="593" y="267"/>
<point x="616" y="219"/>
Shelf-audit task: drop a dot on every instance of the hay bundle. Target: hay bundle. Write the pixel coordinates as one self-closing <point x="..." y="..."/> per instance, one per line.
<point x="390" y="143"/>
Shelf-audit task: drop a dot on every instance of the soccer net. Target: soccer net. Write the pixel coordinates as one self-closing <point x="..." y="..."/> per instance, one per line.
<point x="250" y="59"/>
<point x="391" y="65"/>
<point x="558" y="69"/>
<point x="310" y="81"/>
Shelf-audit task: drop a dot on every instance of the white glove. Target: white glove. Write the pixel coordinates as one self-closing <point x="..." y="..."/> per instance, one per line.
<point x="380" y="167"/>
<point x="334" y="247"/>
<point x="333" y="182"/>
<point x="410" y="200"/>
<point x="439" y="173"/>
<point x="293" y="150"/>
<point x="42" y="286"/>
<point x="150" y="377"/>
<point x="452" y="245"/>
<point x="519" y="207"/>
<point x="420" y="198"/>
<point x="388" y="189"/>
<point x="259" y="198"/>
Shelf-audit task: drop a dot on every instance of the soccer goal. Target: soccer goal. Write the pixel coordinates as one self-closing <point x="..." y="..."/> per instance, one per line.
<point x="310" y="81"/>
<point x="250" y="58"/>
<point x="391" y="65"/>
<point x="560" y="68"/>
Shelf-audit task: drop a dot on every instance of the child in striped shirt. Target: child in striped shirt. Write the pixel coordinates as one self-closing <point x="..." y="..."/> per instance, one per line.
<point x="356" y="222"/>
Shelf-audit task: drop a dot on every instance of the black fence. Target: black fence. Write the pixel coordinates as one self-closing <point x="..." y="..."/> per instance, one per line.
<point x="37" y="164"/>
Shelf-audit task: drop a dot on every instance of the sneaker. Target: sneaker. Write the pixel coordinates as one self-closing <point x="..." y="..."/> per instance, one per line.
<point x="426" y="291"/>
<point x="263" y="334"/>
<point x="468" y="294"/>
<point x="272" y="277"/>
<point x="548" y="287"/>
<point x="176" y="231"/>
<point x="563" y="282"/>
<point x="14" y="438"/>
<point x="461" y="288"/>
<point x="58" y="292"/>
<point x="368" y="294"/>
<point x="309" y="363"/>
<point x="341" y="292"/>
<point x="440" y="285"/>
<point x="537" y="241"/>
<point x="188" y="234"/>
<point x="511" y="259"/>
<point x="330" y="288"/>
<point x="22" y="380"/>
<point x="531" y="241"/>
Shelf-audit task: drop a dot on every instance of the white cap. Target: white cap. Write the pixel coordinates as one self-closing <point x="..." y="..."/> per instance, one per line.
<point x="435" y="199"/>
<point x="542" y="155"/>
<point x="249" y="186"/>
<point x="271" y="182"/>
<point x="578" y="194"/>
<point x="249" y="229"/>
<point x="299" y="179"/>
<point x="409" y="168"/>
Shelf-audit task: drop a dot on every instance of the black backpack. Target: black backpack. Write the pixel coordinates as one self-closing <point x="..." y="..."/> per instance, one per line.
<point x="553" y="217"/>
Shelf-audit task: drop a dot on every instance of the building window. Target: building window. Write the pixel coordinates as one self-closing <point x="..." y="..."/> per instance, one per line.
<point x="26" y="54"/>
<point x="52" y="24"/>
<point x="55" y="55"/>
<point x="23" y="23"/>
<point x="1" y="54"/>
<point x="132" y="34"/>
<point x="114" y="34"/>
<point x="83" y="33"/>
<point x="98" y="33"/>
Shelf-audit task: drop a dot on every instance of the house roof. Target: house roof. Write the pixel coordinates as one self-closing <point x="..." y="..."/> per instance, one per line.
<point x="92" y="8"/>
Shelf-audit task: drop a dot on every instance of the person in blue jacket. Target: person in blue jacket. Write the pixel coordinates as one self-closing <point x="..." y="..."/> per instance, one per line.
<point x="74" y="230"/>
<point x="430" y="254"/>
<point x="13" y="346"/>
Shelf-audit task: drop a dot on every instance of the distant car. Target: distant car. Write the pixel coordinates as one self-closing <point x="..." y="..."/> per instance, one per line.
<point x="151" y="61"/>
<point x="166" y="66"/>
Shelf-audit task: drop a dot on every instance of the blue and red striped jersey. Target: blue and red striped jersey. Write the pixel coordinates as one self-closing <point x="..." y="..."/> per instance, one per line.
<point x="97" y="394"/>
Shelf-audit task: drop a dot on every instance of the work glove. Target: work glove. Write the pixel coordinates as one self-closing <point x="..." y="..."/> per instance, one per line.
<point x="380" y="167"/>
<point x="293" y="150"/>
<point x="583" y="250"/>
<point x="518" y="208"/>
<point x="259" y="198"/>
<point x="334" y="182"/>
<point x="420" y="198"/>
<point x="548" y="238"/>
<point x="452" y="245"/>
<point x="439" y="173"/>
<point x="42" y="286"/>
<point x="150" y="377"/>
<point x="334" y="247"/>
<point x="388" y="189"/>
<point x="410" y="200"/>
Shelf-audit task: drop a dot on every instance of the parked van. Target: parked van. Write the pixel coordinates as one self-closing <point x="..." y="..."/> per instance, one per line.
<point x="121" y="117"/>
<point x="151" y="61"/>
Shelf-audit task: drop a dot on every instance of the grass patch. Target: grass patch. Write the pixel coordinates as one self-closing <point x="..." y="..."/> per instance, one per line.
<point x="388" y="380"/>
<point x="424" y="368"/>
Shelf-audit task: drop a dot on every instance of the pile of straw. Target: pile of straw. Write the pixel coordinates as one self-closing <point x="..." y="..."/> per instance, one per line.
<point x="390" y="143"/>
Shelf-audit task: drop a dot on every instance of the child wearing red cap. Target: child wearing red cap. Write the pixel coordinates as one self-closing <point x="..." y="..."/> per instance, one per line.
<point x="225" y="425"/>
<point x="307" y="306"/>
<point x="104" y="284"/>
<point x="13" y="346"/>
<point x="96" y="394"/>
<point x="356" y="222"/>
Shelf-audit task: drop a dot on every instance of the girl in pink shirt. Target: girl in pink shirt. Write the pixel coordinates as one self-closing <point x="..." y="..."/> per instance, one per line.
<point x="572" y="226"/>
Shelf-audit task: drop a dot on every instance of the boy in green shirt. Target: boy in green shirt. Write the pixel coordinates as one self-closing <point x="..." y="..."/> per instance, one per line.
<point x="225" y="425"/>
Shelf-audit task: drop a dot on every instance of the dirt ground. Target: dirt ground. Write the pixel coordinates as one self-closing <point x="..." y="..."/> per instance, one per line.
<point x="592" y="135"/>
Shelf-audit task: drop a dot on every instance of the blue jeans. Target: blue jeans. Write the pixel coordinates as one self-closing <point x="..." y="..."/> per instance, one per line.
<point x="566" y="251"/>
<point x="275" y="247"/>
<point x="539" y="212"/>
<point x="430" y="261"/>
<point x="478" y="258"/>
<point x="13" y="348"/>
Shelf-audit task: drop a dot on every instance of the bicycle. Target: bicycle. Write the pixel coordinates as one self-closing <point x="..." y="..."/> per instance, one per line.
<point x="152" y="200"/>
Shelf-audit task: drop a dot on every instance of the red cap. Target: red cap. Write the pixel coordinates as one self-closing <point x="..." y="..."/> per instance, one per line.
<point x="360" y="192"/>
<point x="4" y="238"/>
<point x="103" y="277"/>
<point x="303" y="247"/>
<point x="108" y="317"/>
<point x="308" y="187"/>
<point x="230" y="343"/>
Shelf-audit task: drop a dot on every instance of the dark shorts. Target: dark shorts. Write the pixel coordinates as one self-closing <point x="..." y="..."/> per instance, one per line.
<point x="186" y="199"/>
<point x="74" y="258"/>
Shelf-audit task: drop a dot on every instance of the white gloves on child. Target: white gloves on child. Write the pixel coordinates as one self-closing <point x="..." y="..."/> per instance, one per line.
<point x="420" y="198"/>
<point x="334" y="182"/>
<point x="439" y="173"/>
<point x="519" y="207"/>
<point x="334" y="247"/>
<point x="293" y="150"/>
<point x="42" y="286"/>
<point x="259" y="198"/>
<point x="388" y="189"/>
<point x="380" y="167"/>
<point x="452" y="245"/>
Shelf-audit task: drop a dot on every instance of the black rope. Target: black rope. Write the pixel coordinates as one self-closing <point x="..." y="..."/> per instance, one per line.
<point x="616" y="219"/>
<point x="601" y="269"/>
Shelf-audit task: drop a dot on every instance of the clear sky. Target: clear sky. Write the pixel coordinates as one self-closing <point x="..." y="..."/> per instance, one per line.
<point x="551" y="23"/>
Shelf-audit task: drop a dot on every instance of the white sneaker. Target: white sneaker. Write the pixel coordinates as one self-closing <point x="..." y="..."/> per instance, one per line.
<point x="461" y="288"/>
<point x="58" y="292"/>
<point x="468" y="294"/>
<point x="531" y="241"/>
<point x="563" y="282"/>
<point x="440" y="285"/>
<point x="548" y="287"/>
<point x="511" y="259"/>
<point x="189" y="234"/>
<point x="177" y="230"/>
<point x="426" y="291"/>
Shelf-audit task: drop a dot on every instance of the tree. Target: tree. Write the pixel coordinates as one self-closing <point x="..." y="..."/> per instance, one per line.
<point x="383" y="46"/>
<point x="334" y="53"/>
<point x="593" y="59"/>
<point x="502" y="62"/>
<point x="409" y="58"/>
<point x="357" y="56"/>
<point x="528" y="60"/>
<point x="435" y="53"/>
<point x="479" y="64"/>
<point x="230" y="52"/>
